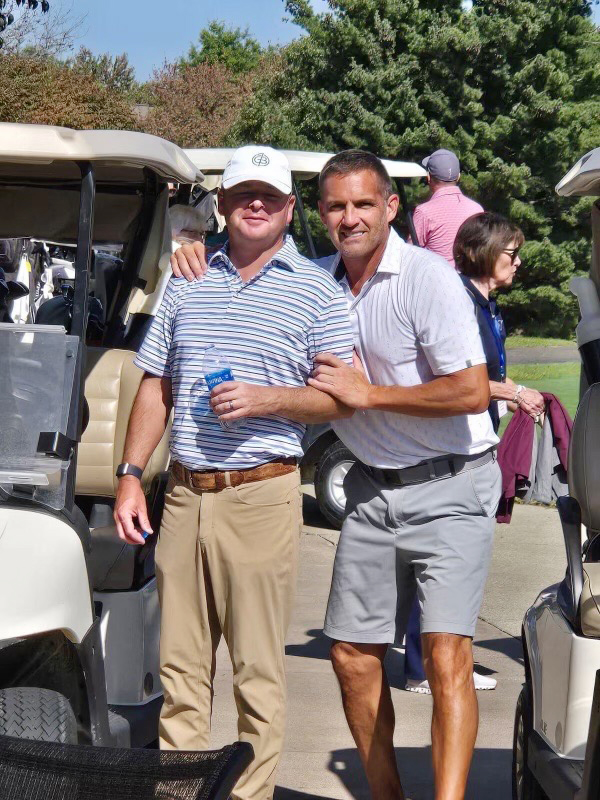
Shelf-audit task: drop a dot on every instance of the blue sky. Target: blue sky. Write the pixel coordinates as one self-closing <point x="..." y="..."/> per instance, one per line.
<point x="150" y="31"/>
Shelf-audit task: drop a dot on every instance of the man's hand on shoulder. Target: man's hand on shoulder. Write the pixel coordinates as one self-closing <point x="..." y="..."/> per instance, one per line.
<point x="190" y="261"/>
<point x="348" y="384"/>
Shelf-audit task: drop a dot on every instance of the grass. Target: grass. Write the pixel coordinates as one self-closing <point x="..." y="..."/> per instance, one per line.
<point x="561" y="380"/>
<point x="536" y="341"/>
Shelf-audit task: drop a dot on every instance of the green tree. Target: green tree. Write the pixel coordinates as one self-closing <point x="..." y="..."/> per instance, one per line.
<point x="232" y="47"/>
<point x="513" y="86"/>
<point x="114" y="72"/>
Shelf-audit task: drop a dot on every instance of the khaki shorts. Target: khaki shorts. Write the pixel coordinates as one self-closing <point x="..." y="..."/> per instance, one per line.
<point x="434" y="538"/>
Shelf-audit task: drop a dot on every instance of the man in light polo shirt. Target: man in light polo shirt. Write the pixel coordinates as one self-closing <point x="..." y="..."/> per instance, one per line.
<point x="227" y="550"/>
<point x="437" y="221"/>
<point x="422" y="501"/>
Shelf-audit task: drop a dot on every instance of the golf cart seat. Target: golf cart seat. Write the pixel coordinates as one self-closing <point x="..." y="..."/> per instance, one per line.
<point x="579" y="593"/>
<point x="111" y="385"/>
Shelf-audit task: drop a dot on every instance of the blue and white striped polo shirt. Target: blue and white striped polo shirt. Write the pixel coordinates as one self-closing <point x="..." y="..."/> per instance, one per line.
<point x="269" y="329"/>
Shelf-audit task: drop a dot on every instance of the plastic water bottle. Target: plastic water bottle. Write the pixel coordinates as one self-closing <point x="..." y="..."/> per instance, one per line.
<point x="217" y="370"/>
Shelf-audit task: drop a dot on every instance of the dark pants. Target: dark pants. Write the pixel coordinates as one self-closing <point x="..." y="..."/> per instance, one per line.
<point x="413" y="662"/>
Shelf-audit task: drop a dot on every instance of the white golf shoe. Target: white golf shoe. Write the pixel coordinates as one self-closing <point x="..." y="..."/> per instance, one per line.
<point x="483" y="683"/>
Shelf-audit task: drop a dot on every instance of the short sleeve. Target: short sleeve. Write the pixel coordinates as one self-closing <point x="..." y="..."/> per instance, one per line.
<point x="444" y="320"/>
<point x="420" y="226"/>
<point x="332" y="331"/>
<point x="153" y="355"/>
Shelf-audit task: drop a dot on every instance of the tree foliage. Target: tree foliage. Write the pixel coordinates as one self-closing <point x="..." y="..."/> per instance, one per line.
<point x="232" y="47"/>
<point x="194" y="106"/>
<point x="113" y="72"/>
<point x="31" y="30"/>
<point x="513" y="86"/>
<point x="47" y="91"/>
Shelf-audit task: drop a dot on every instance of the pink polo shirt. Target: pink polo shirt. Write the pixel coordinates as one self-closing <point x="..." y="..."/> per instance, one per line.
<point x="437" y="221"/>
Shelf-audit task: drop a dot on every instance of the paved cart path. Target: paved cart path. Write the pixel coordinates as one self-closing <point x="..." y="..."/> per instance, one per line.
<point x="552" y="354"/>
<point x="320" y="760"/>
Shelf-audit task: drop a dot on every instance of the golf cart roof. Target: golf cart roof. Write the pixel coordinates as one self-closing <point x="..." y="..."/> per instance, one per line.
<point x="584" y="178"/>
<point x="304" y="164"/>
<point x="45" y="145"/>
<point x="40" y="180"/>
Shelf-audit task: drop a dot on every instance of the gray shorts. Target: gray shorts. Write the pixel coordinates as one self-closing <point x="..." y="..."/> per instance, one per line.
<point x="433" y="537"/>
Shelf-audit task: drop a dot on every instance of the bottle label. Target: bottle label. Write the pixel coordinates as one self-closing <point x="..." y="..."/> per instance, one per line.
<point x="215" y="378"/>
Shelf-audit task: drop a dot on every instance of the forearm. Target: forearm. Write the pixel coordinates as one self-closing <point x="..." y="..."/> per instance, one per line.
<point x="502" y="391"/>
<point x="446" y="396"/>
<point x="148" y="419"/>
<point x="305" y="404"/>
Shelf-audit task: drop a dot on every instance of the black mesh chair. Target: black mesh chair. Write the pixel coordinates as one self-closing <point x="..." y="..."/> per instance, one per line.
<point x="31" y="770"/>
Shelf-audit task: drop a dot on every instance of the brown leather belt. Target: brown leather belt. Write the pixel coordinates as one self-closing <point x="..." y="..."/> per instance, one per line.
<point x="214" y="480"/>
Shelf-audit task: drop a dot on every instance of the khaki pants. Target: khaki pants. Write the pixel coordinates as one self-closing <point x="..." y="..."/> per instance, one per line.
<point x="226" y="563"/>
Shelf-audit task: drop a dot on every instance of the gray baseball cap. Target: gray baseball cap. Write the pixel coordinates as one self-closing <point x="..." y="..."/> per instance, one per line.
<point x="442" y="165"/>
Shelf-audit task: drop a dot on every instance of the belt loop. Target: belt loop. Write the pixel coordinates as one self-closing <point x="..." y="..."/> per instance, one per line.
<point x="227" y="476"/>
<point x="432" y="472"/>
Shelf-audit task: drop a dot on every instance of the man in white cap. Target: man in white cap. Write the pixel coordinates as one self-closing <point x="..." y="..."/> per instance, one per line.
<point x="437" y="221"/>
<point x="227" y="550"/>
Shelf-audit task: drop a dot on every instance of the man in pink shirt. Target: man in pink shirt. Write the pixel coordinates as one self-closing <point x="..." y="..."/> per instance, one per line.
<point x="438" y="220"/>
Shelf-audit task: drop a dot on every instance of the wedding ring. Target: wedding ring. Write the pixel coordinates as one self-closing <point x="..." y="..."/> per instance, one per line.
<point x="231" y="405"/>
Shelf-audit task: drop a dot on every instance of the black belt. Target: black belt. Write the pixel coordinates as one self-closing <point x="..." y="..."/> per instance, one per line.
<point x="431" y="469"/>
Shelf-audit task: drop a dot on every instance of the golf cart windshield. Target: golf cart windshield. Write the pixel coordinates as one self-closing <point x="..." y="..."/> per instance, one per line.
<point x="61" y="192"/>
<point x="37" y="365"/>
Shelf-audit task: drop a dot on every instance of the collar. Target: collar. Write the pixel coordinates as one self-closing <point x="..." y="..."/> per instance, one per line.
<point x="480" y="298"/>
<point x="287" y="257"/>
<point x="445" y="191"/>
<point x="390" y="260"/>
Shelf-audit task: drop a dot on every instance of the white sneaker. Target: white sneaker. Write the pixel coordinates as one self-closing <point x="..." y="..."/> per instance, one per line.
<point x="483" y="683"/>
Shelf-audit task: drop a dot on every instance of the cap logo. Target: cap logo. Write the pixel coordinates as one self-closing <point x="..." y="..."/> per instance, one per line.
<point x="260" y="160"/>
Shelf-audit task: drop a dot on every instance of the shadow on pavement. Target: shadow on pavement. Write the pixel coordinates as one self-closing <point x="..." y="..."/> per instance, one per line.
<point x="318" y="647"/>
<point x="490" y="775"/>
<point x="507" y="645"/>
<point x="312" y="516"/>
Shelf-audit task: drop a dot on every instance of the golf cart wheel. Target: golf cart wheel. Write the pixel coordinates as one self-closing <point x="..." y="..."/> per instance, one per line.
<point x="40" y="714"/>
<point x="329" y="482"/>
<point x="524" y="784"/>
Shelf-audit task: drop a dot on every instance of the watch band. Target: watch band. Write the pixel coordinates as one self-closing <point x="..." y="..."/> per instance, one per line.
<point x="129" y="469"/>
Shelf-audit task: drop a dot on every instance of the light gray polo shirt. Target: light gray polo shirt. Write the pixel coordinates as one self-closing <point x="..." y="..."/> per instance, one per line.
<point x="412" y="322"/>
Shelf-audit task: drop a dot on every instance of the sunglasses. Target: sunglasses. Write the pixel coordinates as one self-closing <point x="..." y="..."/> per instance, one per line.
<point x="513" y="254"/>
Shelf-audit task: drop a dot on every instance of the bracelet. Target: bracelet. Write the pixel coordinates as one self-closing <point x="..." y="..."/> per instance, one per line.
<point x="517" y="398"/>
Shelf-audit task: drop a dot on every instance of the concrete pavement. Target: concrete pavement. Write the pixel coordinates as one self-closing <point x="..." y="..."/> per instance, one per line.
<point x="546" y="354"/>
<point x="320" y="759"/>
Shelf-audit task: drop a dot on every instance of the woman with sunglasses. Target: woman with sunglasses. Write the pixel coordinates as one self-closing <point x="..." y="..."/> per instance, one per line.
<point x="486" y="253"/>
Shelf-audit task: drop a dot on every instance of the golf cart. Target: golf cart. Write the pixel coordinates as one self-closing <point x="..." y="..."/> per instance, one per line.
<point x="79" y="615"/>
<point x="556" y="751"/>
<point x="326" y="461"/>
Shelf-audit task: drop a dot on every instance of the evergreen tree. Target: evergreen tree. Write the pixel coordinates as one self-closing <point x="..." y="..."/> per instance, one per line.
<point x="512" y="86"/>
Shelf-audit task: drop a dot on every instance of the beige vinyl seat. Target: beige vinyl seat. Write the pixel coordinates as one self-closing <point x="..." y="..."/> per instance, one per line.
<point x="579" y="593"/>
<point x="111" y="384"/>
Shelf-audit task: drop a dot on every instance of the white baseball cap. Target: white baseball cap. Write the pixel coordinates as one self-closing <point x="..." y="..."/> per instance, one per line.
<point x="258" y="163"/>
